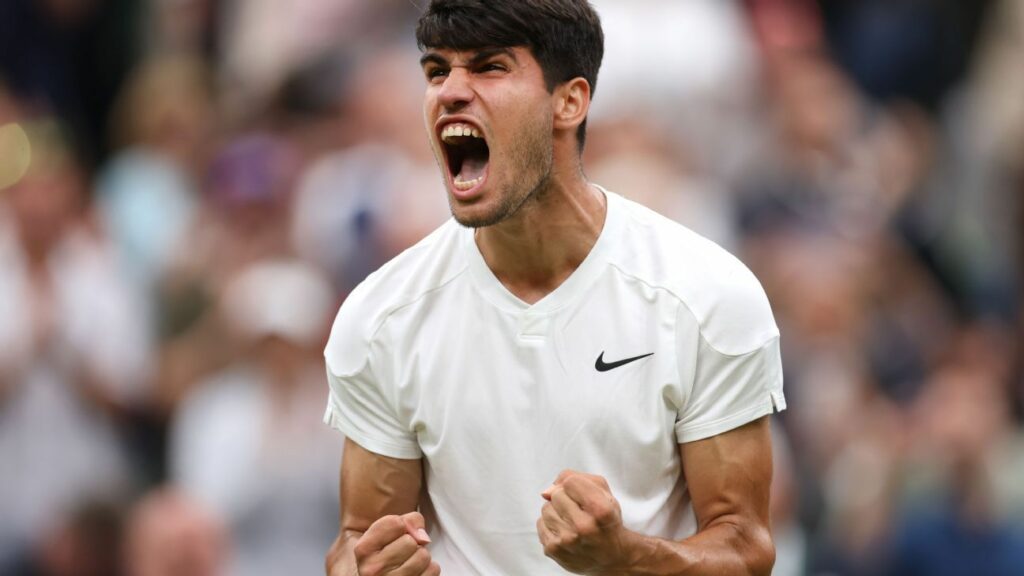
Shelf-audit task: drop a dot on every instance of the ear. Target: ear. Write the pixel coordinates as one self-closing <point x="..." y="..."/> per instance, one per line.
<point x="572" y="103"/>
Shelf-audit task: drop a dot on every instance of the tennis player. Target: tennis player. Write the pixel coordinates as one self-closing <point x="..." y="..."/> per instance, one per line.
<point x="557" y="379"/>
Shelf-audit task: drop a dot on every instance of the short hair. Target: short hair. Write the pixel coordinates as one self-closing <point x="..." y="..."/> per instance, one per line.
<point x="564" y="36"/>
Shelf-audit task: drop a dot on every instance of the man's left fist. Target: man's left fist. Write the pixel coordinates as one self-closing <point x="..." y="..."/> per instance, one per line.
<point x="581" y="527"/>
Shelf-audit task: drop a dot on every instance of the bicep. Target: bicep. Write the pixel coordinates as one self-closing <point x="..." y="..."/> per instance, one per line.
<point x="729" y="475"/>
<point x="373" y="486"/>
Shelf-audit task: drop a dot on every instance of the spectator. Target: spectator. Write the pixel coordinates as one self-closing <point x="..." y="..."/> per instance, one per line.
<point x="243" y="220"/>
<point x="248" y="441"/>
<point x="357" y="207"/>
<point x="952" y="526"/>
<point x="147" y="193"/>
<point x="74" y="350"/>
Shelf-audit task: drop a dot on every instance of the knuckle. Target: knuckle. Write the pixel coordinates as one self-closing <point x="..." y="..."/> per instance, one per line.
<point x="433" y="570"/>
<point x="407" y="542"/>
<point x="362" y="548"/>
<point x="413" y="517"/>
<point x="602" y="511"/>
<point x="421" y="557"/>
<point x="383" y="525"/>
<point x="557" y="493"/>
<point x="551" y="549"/>
<point x="550" y="517"/>
<point x="587" y="527"/>
<point x="573" y="481"/>
<point x="391" y="522"/>
<point x="603" y="516"/>
<point x="370" y="567"/>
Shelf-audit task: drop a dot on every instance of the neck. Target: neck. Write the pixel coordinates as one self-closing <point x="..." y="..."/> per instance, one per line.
<point x="533" y="252"/>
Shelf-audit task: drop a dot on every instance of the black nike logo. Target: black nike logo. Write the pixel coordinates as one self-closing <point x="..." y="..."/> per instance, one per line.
<point x="602" y="366"/>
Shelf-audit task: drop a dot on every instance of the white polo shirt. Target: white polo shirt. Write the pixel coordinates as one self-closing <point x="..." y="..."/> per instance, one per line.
<point x="433" y="357"/>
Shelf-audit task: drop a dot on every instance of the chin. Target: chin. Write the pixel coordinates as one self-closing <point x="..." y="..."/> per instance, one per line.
<point x="479" y="214"/>
<point x="471" y="218"/>
<point x="485" y="210"/>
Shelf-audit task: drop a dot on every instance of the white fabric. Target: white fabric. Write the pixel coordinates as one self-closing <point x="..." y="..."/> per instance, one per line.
<point x="431" y="356"/>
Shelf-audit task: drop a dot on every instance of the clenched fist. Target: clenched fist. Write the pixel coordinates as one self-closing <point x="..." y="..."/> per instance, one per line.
<point x="581" y="527"/>
<point x="395" y="546"/>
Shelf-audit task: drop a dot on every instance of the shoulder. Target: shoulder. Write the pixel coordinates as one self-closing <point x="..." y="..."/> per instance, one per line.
<point x="717" y="291"/>
<point x="427" y="266"/>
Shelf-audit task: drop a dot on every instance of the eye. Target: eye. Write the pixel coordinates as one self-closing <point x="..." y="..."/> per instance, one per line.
<point x="435" y="73"/>
<point x="493" y="67"/>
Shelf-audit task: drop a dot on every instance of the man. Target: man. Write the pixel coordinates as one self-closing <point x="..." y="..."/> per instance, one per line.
<point x="566" y="381"/>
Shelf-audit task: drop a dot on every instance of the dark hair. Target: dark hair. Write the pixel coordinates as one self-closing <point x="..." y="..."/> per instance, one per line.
<point x="564" y="36"/>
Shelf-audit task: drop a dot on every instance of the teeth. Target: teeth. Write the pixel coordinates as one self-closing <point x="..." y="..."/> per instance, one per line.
<point x="467" y="184"/>
<point x="459" y="130"/>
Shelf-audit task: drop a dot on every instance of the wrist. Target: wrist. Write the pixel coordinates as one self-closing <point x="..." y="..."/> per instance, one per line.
<point x="631" y="549"/>
<point x="642" y="555"/>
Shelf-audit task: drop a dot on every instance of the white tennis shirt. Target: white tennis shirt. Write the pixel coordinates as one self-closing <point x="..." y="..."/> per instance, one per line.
<point x="432" y="357"/>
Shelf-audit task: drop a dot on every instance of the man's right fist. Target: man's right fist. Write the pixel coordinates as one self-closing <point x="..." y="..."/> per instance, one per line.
<point x="395" y="546"/>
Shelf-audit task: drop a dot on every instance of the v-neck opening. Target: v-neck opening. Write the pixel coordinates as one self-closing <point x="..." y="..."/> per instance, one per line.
<point x="575" y="284"/>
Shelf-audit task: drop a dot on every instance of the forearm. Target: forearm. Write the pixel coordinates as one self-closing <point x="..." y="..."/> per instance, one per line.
<point x="341" y="558"/>
<point x="722" y="549"/>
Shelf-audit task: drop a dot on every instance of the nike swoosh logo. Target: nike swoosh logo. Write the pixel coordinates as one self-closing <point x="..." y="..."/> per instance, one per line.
<point x="602" y="366"/>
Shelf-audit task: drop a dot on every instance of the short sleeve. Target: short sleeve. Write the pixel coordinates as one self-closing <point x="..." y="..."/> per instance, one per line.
<point x="729" y="357"/>
<point x="361" y="402"/>
<point x="730" y="391"/>
<point x="358" y="408"/>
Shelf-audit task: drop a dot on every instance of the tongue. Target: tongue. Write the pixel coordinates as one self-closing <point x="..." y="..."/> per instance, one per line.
<point x="473" y="167"/>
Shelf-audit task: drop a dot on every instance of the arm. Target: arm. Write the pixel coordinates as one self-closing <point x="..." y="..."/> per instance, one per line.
<point x="729" y="481"/>
<point x="729" y="486"/>
<point x="380" y="528"/>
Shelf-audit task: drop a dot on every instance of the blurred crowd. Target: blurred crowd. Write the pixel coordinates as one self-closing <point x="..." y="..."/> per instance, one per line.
<point x="189" y="189"/>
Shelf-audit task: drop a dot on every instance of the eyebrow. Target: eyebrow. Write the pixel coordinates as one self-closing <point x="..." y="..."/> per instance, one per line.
<point x="433" y="57"/>
<point x="481" y="55"/>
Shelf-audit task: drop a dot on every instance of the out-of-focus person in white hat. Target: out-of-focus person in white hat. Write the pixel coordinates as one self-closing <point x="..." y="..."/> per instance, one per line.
<point x="247" y="440"/>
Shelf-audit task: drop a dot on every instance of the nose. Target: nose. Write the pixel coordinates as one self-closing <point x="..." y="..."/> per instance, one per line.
<point x="457" y="91"/>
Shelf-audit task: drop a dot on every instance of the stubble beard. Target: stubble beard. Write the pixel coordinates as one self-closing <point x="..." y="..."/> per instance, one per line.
<point x="512" y="201"/>
<point x="532" y="156"/>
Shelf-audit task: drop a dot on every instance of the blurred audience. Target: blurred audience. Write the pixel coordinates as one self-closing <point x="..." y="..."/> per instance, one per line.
<point x="248" y="440"/>
<point x="247" y="191"/>
<point x="74" y="347"/>
<point x="170" y="534"/>
<point x="189" y="188"/>
<point x="147" y="192"/>
<point x="357" y="207"/>
<point x="84" y="541"/>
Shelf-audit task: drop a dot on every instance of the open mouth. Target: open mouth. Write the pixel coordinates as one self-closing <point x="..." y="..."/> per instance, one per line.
<point x="467" y="154"/>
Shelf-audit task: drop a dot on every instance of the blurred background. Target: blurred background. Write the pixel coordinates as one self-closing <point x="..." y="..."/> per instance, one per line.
<point x="189" y="189"/>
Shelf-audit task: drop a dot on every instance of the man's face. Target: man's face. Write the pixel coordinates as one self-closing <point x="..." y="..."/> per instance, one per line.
<point x="489" y="116"/>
